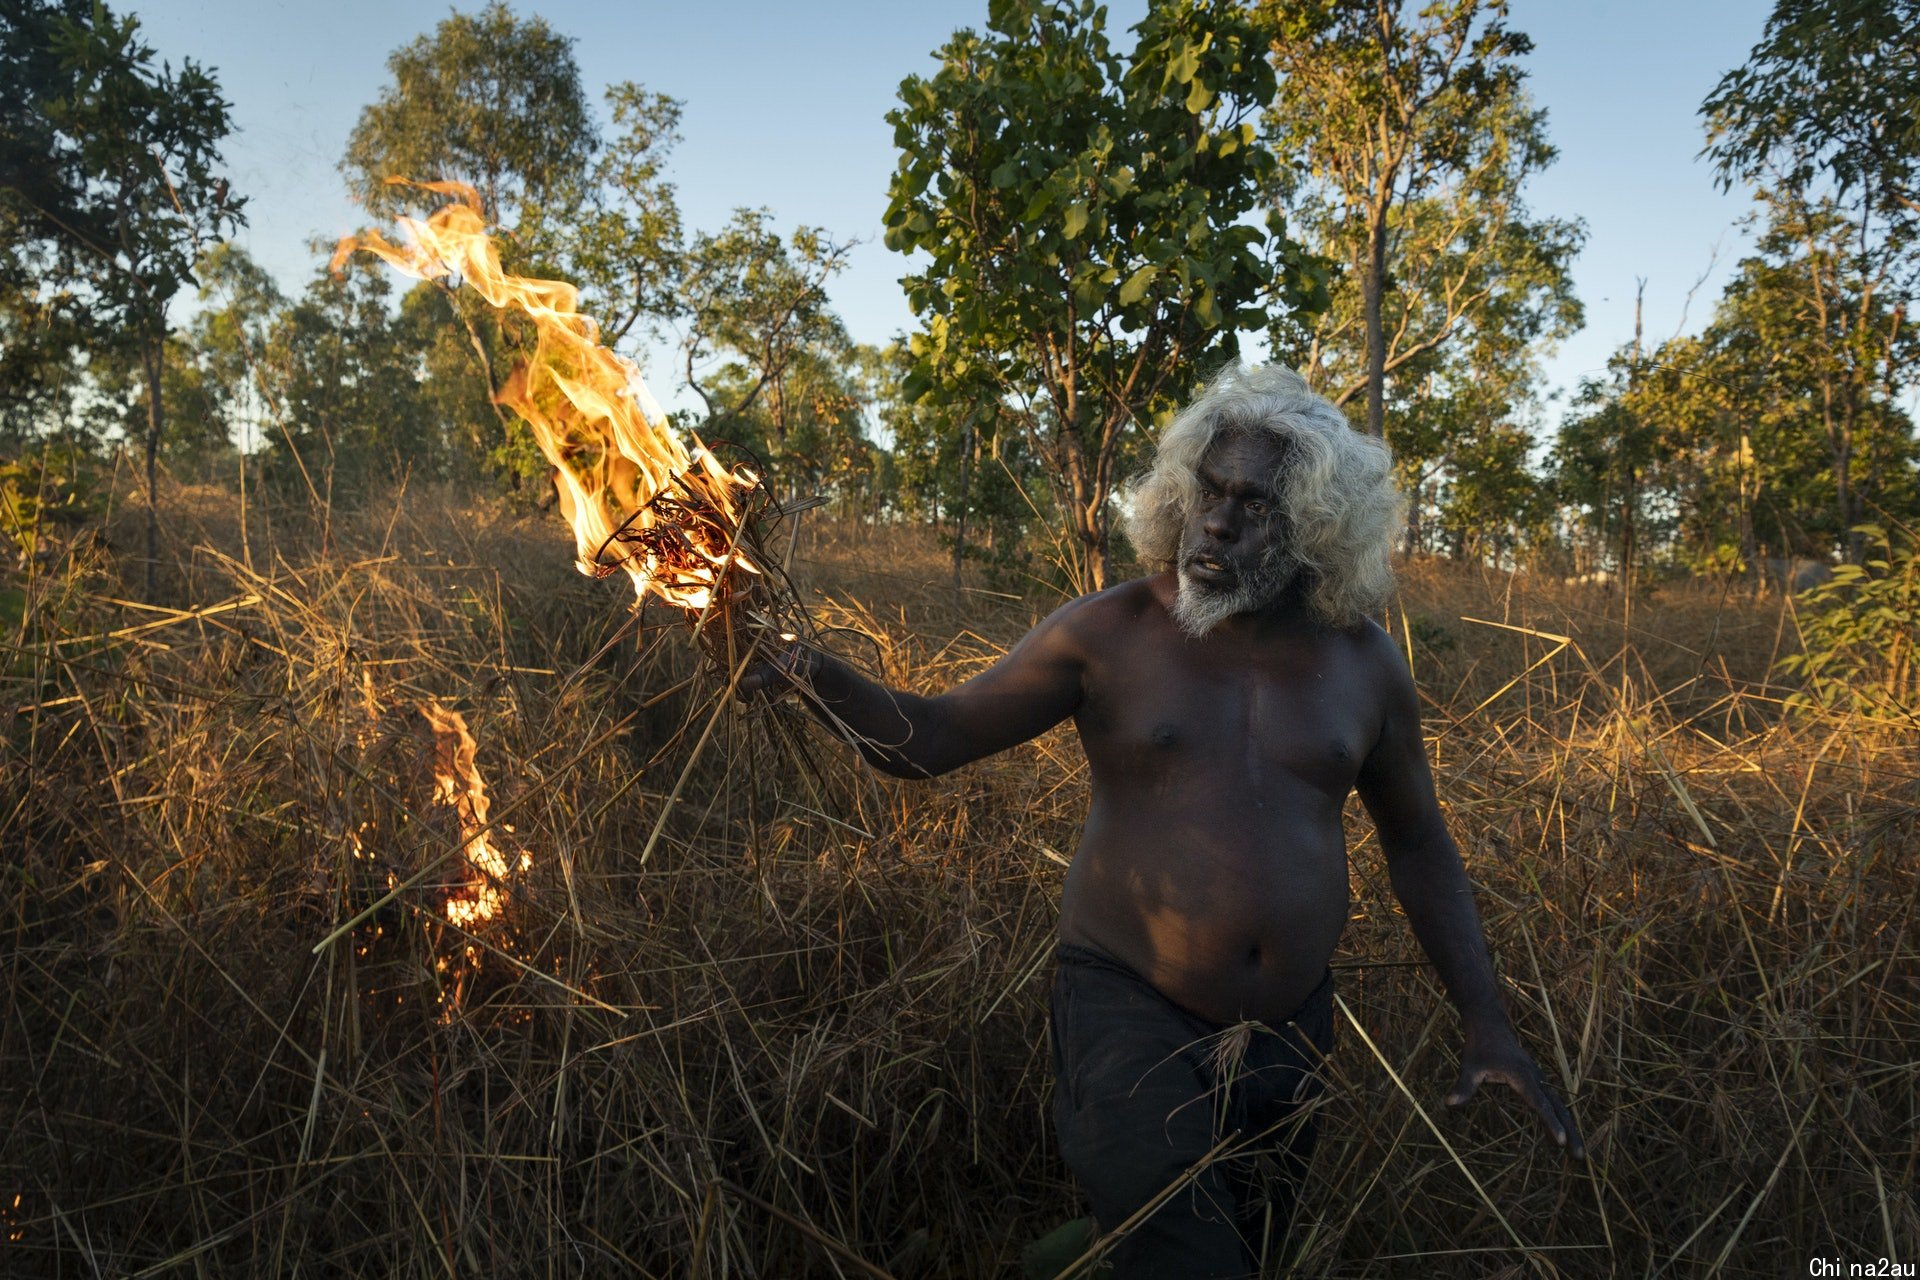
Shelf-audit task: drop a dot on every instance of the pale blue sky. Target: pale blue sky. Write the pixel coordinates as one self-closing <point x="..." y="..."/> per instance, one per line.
<point x="785" y="105"/>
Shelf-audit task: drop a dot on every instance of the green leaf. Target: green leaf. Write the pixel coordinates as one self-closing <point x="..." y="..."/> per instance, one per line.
<point x="1136" y="286"/>
<point x="1186" y="64"/>
<point x="1076" y="219"/>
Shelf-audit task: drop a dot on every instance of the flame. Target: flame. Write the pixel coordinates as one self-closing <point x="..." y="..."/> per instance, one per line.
<point x="636" y="497"/>
<point x="457" y="783"/>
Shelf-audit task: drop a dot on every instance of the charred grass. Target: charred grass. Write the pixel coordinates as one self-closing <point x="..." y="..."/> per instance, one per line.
<point x="805" y="1033"/>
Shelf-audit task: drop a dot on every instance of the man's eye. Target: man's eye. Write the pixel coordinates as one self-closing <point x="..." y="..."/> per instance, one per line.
<point x="1256" y="508"/>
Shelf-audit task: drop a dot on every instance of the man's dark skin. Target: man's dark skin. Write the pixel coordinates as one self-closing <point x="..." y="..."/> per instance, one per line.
<point x="1213" y="862"/>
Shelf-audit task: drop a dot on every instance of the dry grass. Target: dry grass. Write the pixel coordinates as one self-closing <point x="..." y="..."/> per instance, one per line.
<point x="805" y="1036"/>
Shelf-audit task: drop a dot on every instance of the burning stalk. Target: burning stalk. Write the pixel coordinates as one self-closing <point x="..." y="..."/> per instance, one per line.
<point x="458" y="785"/>
<point x="683" y="526"/>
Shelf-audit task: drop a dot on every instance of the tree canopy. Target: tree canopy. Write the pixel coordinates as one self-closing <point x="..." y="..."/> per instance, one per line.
<point x="1093" y="222"/>
<point x="109" y="192"/>
<point x="1089" y="225"/>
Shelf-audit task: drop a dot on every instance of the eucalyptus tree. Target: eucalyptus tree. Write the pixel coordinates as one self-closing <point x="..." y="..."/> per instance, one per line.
<point x="754" y="301"/>
<point x="1824" y="121"/>
<point x="1823" y="355"/>
<point x="489" y="100"/>
<point x="1830" y="94"/>
<point x="108" y="186"/>
<point x="1763" y="437"/>
<point x="1089" y="229"/>
<point x="771" y="361"/>
<point x="1410" y="139"/>
<point x="352" y="411"/>
<point x="496" y="101"/>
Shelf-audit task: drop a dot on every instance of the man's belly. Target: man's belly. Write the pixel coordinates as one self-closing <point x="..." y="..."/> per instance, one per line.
<point x="1231" y="924"/>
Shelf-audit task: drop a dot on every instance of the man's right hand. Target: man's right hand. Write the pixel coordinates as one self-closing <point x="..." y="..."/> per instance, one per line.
<point x="778" y="668"/>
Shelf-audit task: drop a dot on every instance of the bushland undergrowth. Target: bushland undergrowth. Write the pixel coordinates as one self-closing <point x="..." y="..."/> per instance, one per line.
<point x="804" y="1034"/>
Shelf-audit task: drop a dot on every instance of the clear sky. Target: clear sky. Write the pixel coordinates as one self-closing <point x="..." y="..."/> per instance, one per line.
<point x="785" y="99"/>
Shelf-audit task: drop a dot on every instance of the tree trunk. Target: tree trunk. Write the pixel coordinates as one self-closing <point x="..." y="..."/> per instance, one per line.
<point x="1095" y="534"/>
<point x="1372" y="285"/>
<point x="1411" y="540"/>
<point x="1092" y="546"/>
<point x="960" y="511"/>
<point x="152" y="355"/>
<point x="1749" y="549"/>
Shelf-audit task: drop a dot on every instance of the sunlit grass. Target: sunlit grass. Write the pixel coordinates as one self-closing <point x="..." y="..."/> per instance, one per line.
<point x="807" y="1035"/>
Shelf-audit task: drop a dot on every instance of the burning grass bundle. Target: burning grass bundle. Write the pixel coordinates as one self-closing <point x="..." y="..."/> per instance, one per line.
<point x="805" y="1036"/>
<point x="685" y="528"/>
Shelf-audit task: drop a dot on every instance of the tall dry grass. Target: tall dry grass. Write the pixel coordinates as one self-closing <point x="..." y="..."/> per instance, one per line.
<point x="804" y="1035"/>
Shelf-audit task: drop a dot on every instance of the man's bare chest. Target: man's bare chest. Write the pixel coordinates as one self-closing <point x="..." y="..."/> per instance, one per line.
<point x="1297" y="716"/>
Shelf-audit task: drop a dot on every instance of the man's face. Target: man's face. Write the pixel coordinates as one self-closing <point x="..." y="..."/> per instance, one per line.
<point x="1234" y="552"/>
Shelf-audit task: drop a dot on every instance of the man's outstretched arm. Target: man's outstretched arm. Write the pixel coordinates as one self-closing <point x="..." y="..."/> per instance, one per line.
<point x="1028" y="691"/>
<point x="1430" y="881"/>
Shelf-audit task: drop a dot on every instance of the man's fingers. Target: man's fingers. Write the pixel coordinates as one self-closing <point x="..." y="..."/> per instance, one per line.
<point x="1532" y="1087"/>
<point x="1558" y="1119"/>
<point x="1465" y="1087"/>
<point x="1573" y="1143"/>
<point x="1543" y="1102"/>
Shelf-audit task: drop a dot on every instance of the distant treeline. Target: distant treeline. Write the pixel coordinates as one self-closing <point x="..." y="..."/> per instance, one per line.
<point x="1099" y="220"/>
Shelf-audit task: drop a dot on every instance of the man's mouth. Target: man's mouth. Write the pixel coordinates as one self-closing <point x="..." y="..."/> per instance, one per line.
<point x="1208" y="568"/>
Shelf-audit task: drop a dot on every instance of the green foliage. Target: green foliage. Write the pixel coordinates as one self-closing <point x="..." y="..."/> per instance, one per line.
<point x="41" y="364"/>
<point x="193" y="439"/>
<point x="968" y="467"/>
<point x="111" y="186"/>
<point x="1824" y="117"/>
<point x="347" y="374"/>
<point x="1770" y="433"/>
<point x="1819" y="346"/>
<point x="1491" y="504"/>
<point x="1858" y="633"/>
<point x="1831" y="93"/>
<point x="1088" y="226"/>
<point x="1415" y="136"/>
<point x="1608" y="464"/>
<point x="624" y="244"/>
<point x="110" y="190"/>
<point x="771" y="361"/>
<point x="488" y="100"/>
<point x="51" y="485"/>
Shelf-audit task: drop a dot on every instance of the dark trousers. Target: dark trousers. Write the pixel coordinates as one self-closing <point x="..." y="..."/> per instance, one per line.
<point x="1144" y="1090"/>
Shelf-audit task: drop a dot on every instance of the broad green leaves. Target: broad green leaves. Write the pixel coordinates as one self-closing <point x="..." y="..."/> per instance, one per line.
<point x="1086" y="226"/>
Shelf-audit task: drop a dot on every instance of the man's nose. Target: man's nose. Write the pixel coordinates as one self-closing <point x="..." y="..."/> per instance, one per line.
<point x="1219" y="522"/>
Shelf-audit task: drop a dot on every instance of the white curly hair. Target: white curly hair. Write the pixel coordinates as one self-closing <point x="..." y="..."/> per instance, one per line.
<point x="1335" y="485"/>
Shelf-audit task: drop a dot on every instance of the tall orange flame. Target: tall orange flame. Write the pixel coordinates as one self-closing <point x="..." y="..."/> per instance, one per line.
<point x="636" y="497"/>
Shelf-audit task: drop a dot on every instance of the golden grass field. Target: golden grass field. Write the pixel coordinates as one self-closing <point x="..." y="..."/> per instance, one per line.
<point x="804" y="1035"/>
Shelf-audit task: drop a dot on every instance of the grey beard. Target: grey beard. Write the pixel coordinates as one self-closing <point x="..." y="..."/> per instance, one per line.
<point x="1198" y="609"/>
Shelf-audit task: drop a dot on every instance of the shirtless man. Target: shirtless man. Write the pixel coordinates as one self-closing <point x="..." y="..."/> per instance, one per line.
<point x="1227" y="705"/>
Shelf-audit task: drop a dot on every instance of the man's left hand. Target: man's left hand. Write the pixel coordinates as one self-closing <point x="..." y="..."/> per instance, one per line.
<point x="1498" y="1057"/>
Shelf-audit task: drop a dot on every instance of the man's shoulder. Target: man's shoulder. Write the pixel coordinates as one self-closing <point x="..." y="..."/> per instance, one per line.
<point x="1123" y="602"/>
<point x="1375" y="645"/>
<point x="1102" y="615"/>
<point x="1385" y="659"/>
